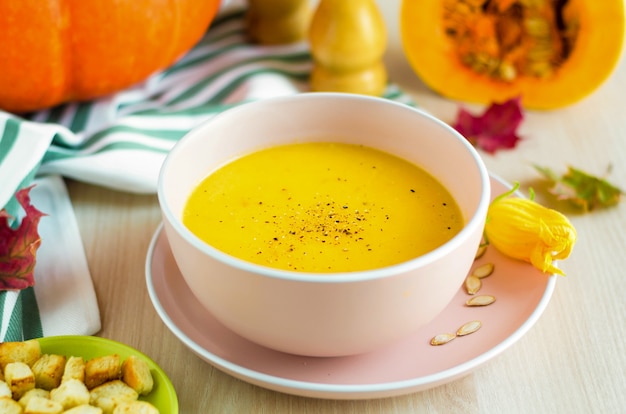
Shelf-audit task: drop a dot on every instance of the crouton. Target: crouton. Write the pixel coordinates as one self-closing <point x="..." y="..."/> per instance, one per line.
<point x="35" y="392"/>
<point x="74" y="369"/>
<point x="102" y="369"/>
<point x="39" y="405"/>
<point x="136" y="374"/>
<point x="5" y="390"/>
<point x="135" y="407"/>
<point x="70" y="394"/>
<point x="27" y="352"/>
<point x="36" y="383"/>
<point x="110" y="394"/>
<point x="9" y="406"/>
<point x="48" y="370"/>
<point x="84" y="409"/>
<point x="19" y="377"/>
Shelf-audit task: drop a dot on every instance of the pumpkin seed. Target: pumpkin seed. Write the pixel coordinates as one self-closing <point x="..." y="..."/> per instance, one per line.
<point x="442" y="339"/>
<point x="472" y="284"/>
<point x="468" y="328"/>
<point x="483" y="271"/>
<point x="537" y="26"/>
<point x="507" y="72"/>
<point x="481" y="300"/>
<point x="480" y="251"/>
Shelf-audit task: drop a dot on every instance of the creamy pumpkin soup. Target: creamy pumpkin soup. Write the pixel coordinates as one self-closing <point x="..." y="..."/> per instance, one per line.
<point x="322" y="207"/>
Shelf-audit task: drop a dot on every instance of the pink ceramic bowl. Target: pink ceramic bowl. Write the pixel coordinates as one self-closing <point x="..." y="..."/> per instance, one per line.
<point x="325" y="314"/>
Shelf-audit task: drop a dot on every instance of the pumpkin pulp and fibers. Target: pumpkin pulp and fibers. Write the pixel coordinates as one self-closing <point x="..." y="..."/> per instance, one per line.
<point x="505" y="39"/>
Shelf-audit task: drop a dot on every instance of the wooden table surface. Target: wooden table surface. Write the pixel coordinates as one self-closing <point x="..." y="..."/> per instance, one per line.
<point x="572" y="361"/>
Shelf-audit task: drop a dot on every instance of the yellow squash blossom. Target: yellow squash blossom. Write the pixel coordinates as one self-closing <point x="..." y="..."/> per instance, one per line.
<point x="525" y="230"/>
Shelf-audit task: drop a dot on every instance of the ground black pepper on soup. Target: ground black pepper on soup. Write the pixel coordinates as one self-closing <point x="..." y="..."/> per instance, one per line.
<point x="322" y="207"/>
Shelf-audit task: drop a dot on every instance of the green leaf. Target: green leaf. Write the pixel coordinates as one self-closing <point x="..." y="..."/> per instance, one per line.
<point x="582" y="189"/>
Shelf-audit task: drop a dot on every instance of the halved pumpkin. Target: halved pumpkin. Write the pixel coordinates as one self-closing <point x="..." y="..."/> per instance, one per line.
<point x="551" y="53"/>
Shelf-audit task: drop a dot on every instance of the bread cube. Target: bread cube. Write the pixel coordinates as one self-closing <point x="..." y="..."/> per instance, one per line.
<point x="48" y="370"/>
<point x="110" y="394"/>
<point x="84" y="409"/>
<point x="102" y="369"/>
<point x="35" y="392"/>
<point x="136" y="374"/>
<point x="39" y="405"/>
<point x="5" y="390"/>
<point x="27" y="352"/>
<point x="74" y="369"/>
<point x="70" y="393"/>
<point x="136" y="407"/>
<point x="9" y="406"/>
<point x="19" y="377"/>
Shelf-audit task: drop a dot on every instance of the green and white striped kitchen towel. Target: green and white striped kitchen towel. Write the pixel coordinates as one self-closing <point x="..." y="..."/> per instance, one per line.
<point x="120" y="141"/>
<point x="63" y="300"/>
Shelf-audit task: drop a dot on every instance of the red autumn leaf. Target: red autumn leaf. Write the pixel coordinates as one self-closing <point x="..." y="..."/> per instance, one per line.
<point x="18" y="247"/>
<point x="495" y="129"/>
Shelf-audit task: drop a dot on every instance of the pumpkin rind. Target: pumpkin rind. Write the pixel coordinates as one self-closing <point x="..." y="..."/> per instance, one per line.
<point x="55" y="51"/>
<point x="591" y="62"/>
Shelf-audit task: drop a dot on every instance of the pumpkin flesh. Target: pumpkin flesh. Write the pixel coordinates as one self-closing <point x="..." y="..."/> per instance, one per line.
<point x="56" y="51"/>
<point x="551" y="53"/>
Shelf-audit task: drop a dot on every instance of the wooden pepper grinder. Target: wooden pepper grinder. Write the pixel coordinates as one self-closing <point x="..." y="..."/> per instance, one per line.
<point x="348" y="40"/>
<point x="274" y="22"/>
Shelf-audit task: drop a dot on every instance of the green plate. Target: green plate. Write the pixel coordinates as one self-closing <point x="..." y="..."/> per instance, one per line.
<point x="163" y="395"/>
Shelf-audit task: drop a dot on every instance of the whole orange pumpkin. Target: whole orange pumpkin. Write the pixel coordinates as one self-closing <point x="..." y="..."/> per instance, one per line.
<point x="56" y="51"/>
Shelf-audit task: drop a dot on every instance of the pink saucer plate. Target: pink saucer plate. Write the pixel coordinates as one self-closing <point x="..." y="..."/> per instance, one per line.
<point x="522" y="294"/>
